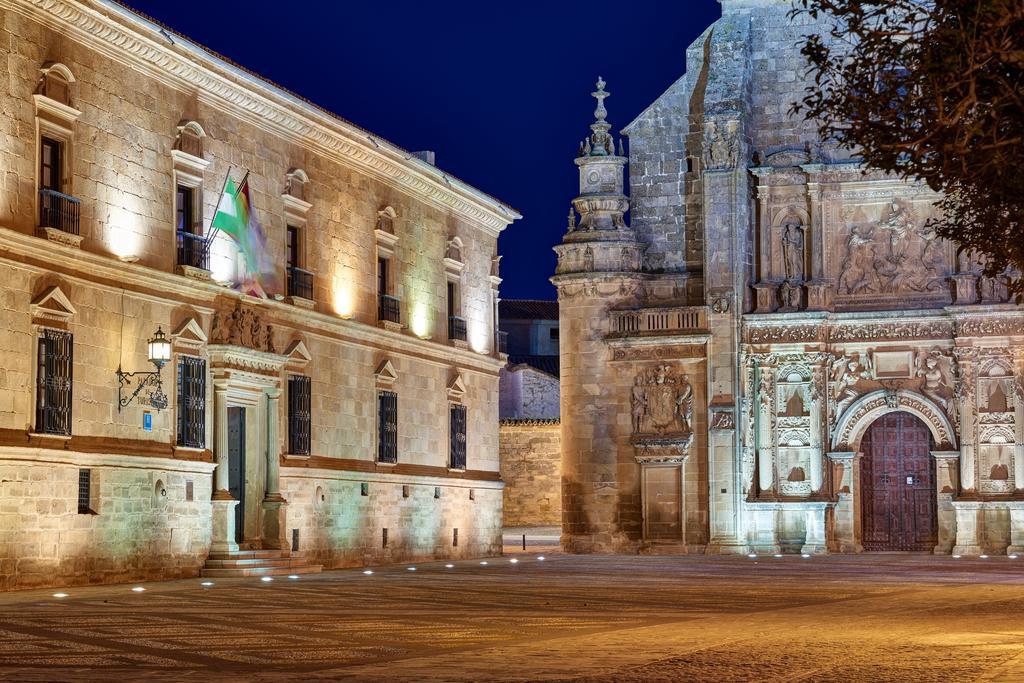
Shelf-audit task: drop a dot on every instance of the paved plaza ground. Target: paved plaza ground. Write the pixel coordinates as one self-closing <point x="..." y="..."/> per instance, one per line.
<point x="592" y="618"/>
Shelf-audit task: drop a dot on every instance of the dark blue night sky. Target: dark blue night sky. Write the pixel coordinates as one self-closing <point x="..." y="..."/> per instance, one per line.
<point x="500" y="91"/>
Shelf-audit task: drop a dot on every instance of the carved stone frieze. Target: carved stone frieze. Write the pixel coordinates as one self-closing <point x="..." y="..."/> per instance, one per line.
<point x="242" y="326"/>
<point x="769" y="334"/>
<point x="1007" y="325"/>
<point x="878" y="331"/>
<point x="854" y="423"/>
<point x="670" y="352"/>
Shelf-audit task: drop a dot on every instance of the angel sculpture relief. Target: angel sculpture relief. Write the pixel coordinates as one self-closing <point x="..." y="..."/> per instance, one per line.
<point x="937" y="384"/>
<point x="847" y="372"/>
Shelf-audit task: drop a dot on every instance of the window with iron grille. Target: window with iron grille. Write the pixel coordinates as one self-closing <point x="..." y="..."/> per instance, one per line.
<point x="191" y="402"/>
<point x="457" y="432"/>
<point x="299" y="414"/>
<point x="54" y="383"/>
<point x="387" y="426"/>
<point x="84" y="492"/>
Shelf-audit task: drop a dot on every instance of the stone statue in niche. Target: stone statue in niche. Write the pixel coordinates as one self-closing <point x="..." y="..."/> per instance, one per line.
<point x="937" y="384"/>
<point x="662" y="402"/>
<point x="588" y="259"/>
<point x="793" y="252"/>
<point x="847" y="372"/>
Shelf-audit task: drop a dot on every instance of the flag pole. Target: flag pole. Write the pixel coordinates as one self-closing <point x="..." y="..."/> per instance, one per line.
<point x="213" y="230"/>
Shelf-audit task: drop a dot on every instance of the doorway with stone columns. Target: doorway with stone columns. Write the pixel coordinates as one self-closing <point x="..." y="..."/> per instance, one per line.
<point x="248" y="509"/>
<point x="847" y="455"/>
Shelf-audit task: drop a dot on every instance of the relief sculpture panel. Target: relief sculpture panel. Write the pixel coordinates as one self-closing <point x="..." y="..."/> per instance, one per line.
<point x="889" y="251"/>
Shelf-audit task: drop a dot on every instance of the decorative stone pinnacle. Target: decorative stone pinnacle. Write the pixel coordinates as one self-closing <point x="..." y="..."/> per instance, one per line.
<point x="600" y="113"/>
<point x="601" y="143"/>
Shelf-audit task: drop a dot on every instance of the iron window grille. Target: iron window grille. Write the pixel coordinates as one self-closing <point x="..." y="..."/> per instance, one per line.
<point x="191" y="402"/>
<point x="54" y="382"/>
<point x="387" y="427"/>
<point x="192" y="250"/>
<point x="457" y="433"/>
<point x="60" y="211"/>
<point x="456" y="328"/>
<point x="84" y="492"/>
<point x="299" y="414"/>
<point x="389" y="309"/>
<point x="300" y="283"/>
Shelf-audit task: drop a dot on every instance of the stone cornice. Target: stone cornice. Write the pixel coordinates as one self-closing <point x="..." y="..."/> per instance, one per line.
<point x="122" y="35"/>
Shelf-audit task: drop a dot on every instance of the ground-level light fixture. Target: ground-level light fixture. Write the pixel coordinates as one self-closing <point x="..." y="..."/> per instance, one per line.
<point x="159" y="351"/>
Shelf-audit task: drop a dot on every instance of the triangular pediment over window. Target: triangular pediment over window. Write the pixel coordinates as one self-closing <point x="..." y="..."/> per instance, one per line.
<point x="189" y="334"/>
<point x="456" y="388"/>
<point x="385" y="373"/>
<point x="298" y="355"/>
<point x="52" y="306"/>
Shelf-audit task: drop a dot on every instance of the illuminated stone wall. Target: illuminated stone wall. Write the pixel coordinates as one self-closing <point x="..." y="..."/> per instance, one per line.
<point x="531" y="467"/>
<point x="128" y="98"/>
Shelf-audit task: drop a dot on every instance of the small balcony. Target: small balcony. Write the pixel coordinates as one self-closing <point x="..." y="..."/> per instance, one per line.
<point x="59" y="216"/>
<point x="300" y="283"/>
<point x="192" y="252"/>
<point x="456" y="329"/>
<point x="687" y="320"/>
<point x="389" y="310"/>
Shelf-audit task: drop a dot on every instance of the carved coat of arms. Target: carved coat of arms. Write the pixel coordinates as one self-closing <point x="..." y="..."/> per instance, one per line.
<point x="662" y="402"/>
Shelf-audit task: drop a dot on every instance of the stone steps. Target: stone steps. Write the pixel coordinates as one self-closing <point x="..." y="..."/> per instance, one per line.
<point x="242" y="563"/>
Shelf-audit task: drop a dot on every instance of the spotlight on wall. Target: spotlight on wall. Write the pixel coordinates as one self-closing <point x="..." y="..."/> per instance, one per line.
<point x="159" y="348"/>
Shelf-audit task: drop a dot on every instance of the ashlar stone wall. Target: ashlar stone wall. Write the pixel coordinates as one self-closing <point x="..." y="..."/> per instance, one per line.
<point x="531" y="467"/>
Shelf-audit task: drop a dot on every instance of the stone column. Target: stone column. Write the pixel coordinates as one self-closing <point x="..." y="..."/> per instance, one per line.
<point x="967" y="398"/>
<point x="765" y="433"/>
<point x="968" y="515"/>
<point x="814" y="525"/>
<point x="847" y="516"/>
<point x="947" y="474"/>
<point x="1018" y="419"/>
<point x="275" y="532"/>
<point x="1016" y="546"/>
<point x="818" y="419"/>
<point x="222" y="536"/>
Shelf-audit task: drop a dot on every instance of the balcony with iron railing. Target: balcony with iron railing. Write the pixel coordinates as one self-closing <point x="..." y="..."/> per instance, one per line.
<point x="684" y="320"/>
<point x="389" y="309"/>
<point x="300" y="283"/>
<point x="192" y="251"/>
<point x="58" y="211"/>
<point x="456" y="329"/>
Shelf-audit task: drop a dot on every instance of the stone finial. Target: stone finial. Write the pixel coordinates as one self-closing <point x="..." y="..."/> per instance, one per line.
<point x="600" y="143"/>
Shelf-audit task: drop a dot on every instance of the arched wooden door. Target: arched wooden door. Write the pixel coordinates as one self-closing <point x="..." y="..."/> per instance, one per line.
<point x="897" y="484"/>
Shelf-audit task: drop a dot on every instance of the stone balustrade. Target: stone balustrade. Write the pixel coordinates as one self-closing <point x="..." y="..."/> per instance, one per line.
<point x="659" y="321"/>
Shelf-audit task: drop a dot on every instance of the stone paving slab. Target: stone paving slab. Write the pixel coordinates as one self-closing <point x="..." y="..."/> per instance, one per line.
<point x="584" y="618"/>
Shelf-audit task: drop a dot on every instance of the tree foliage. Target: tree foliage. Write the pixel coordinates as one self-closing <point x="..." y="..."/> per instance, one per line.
<point x="933" y="91"/>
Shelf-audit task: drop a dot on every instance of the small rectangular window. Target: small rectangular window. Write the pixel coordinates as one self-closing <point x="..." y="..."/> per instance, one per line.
<point x="383" y="280"/>
<point x="293" y="255"/>
<point x="191" y="402"/>
<point x="453" y="299"/>
<point x="457" y="431"/>
<point x="299" y="414"/>
<point x="387" y="426"/>
<point x="50" y="164"/>
<point x="84" y="492"/>
<point x="184" y="210"/>
<point x="54" y="382"/>
<point x="554" y="334"/>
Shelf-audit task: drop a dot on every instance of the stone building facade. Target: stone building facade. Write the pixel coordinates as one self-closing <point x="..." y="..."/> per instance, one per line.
<point x="775" y="353"/>
<point x="350" y="416"/>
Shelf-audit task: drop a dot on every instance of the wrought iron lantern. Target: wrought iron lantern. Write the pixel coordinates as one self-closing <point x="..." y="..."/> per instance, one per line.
<point x="159" y="351"/>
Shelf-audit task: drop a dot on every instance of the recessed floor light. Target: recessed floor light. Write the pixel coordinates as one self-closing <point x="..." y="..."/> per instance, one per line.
<point x="412" y="569"/>
<point x="484" y="562"/>
<point x="267" y="579"/>
<point x="804" y="555"/>
<point x="206" y="583"/>
<point x="778" y="555"/>
<point x="368" y="572"/>
<point x="1012" y="557"/>
<point x="138" y="589"/>
<point x="541" y="558"/>
<point x="514" y="561"/>
<point x="752" y="556"/>
<point x="956" y="557"/>
<point x="984" y="557"/>
<point x="60" y="595"/>
<point x="293" y="576"/>
<point x="449" y="566"/>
